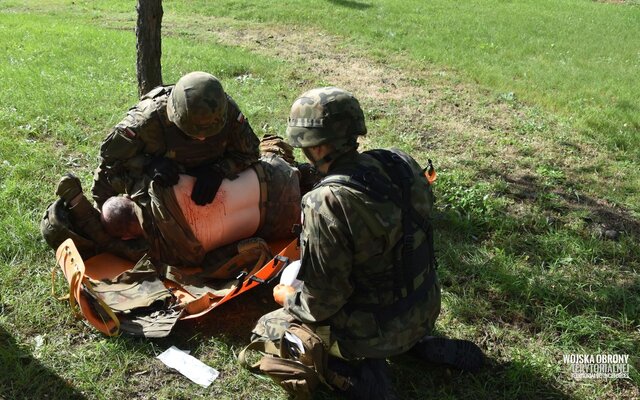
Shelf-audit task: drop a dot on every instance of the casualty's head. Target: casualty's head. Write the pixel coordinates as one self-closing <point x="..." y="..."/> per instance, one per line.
<point x="327" y="116"/>
<point x="119" y="218"/>
<point x="197" y="105"/>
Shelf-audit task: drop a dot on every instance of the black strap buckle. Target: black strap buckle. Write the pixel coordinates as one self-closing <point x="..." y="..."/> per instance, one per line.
<point x="279" y="259"/>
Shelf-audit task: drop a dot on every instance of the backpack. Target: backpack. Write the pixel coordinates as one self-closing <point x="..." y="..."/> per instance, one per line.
<point x="411" y="283"/>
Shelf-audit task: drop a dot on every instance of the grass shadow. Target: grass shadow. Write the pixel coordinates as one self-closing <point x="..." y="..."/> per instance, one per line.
<point x="356" y="5"/>
<point x="24" y="377"/>
<point x="415" y="379"/>
<point x="531" y="269"/>
<point x="527" y="189"/>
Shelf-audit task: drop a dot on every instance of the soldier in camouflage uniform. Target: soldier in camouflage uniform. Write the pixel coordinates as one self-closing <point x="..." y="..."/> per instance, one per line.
<point x="350" y="244"/>
<point x="193" y="127"/>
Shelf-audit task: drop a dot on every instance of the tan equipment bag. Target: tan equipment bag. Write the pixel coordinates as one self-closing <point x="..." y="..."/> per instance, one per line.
<point x="297" y="362"/>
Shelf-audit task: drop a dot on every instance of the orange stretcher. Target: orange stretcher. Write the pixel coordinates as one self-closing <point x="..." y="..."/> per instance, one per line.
<point x="79" y="274"/>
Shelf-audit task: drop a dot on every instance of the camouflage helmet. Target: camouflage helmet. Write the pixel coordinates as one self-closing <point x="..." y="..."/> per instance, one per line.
<point x="324" y="115"/>
<point x="198" y="105"/>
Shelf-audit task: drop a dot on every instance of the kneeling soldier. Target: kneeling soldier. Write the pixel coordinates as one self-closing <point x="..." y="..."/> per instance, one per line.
<point x="367" y="260"/>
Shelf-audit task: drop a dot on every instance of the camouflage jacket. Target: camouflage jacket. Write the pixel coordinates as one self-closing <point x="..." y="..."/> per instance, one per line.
<point x="146" y="133"/>
<point x="347" y="257"/>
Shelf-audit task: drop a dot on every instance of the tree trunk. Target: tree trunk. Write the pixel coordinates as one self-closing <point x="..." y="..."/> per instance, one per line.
<point x="148" y="45"/>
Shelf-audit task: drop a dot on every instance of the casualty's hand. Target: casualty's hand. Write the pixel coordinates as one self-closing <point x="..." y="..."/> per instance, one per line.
<point x="164" y="171"/>
<point x="280" y="293"/>
<point x="208" y="181"/>
<point x="69" y="188"/>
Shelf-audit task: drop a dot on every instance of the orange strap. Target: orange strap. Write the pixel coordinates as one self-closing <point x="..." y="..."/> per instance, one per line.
<point x="73" y="269"/>
<point x="272" y="268"/>
<point x="430" y="173"/>
<point x="269" y="270"/>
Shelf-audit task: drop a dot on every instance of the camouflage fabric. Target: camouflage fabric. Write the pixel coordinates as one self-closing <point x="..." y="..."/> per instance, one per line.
<point x="347" y="259"/>
<point x="272" y="144"/>
<point x="56" y="227"/>
<point x="139" y="299"/>
<point x="322" y="115"/>
<point x="297" y="361"/>
<point x="147" y="133"/>
<point x="136" y="288"/>
<point x="272" y="325"/>
<point x="198" y="105"/>
<point x="170" y="238"/>
<point x="281" y="207"/>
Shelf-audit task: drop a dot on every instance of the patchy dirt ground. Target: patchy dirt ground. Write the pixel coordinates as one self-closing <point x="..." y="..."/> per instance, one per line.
<point x="454" y="123"/>
<point x="428" y="102"/>
<point x="615" y="1"/>
<point x="430" y="109"/>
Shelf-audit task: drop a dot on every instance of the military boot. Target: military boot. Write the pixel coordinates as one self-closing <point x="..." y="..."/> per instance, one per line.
<point x="368" y="380"/>
<point x="457" y="353"/>
<point x="69" y="187"/>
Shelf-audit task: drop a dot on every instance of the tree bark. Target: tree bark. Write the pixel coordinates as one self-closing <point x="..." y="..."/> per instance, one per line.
<point x="148" y="45"/>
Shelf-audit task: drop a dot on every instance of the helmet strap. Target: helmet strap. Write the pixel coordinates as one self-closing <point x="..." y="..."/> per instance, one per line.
<point x="341" y="147"/>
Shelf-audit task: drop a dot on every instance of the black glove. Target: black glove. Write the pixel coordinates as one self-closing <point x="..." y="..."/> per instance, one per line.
<point x="208" y="180"/>
<point x="163" y="171"/>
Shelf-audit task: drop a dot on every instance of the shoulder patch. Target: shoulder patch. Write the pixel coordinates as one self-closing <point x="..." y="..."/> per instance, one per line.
<point x="241" y="118"/>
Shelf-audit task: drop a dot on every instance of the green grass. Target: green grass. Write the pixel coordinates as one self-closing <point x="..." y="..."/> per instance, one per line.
<point x="521" y="105"/>
<point x="576" y="57"/>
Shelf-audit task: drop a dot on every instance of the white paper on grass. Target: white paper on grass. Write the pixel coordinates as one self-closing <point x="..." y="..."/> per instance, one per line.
<point x="289" y="275"/>
<point x="189" y="366"/>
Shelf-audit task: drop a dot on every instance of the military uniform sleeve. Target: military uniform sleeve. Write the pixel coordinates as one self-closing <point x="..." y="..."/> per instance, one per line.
<point x="125" y="152"/>
<point x="327" y="259"/>
<point x="243" y="144"/>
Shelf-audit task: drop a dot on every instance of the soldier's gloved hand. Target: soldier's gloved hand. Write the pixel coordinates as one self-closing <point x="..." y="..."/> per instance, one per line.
<point x="272" y="144"/>
<point x="208" y="181"/>
<point x="163" y="171"/>
<point x="69" y="187"/>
